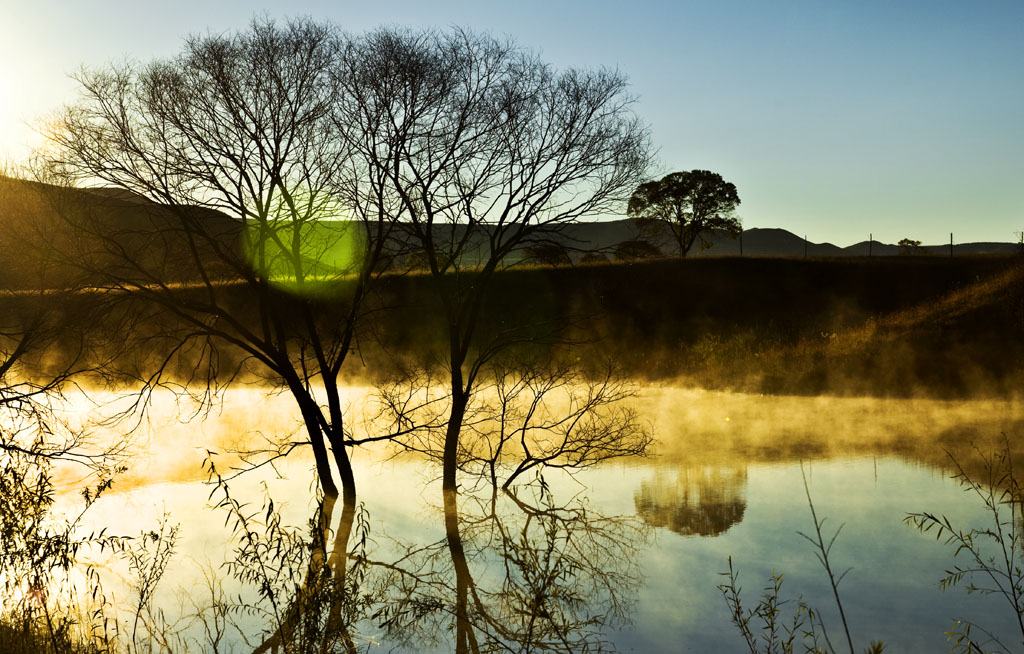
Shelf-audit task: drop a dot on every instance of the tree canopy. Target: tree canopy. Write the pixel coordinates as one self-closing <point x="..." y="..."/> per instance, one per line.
<point x="694" y="203"/>
<point x="286" y="166"/>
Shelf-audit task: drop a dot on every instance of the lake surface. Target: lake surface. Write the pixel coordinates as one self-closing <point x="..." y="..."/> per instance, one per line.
<point x="639" y="562"/>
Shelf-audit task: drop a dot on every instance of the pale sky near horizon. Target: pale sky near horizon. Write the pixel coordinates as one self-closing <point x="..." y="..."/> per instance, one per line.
<point x="833" y="119"/>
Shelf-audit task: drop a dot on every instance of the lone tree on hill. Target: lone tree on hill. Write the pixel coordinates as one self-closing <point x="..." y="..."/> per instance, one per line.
<point x="910" y="247"/>
<point x="693" y="203"/>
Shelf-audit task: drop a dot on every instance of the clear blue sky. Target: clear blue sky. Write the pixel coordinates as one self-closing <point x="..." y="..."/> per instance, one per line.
<point x="833" y="119"/>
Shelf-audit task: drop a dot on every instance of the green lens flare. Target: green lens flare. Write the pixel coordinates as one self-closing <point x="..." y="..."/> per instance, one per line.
<point x="309" y="258"/>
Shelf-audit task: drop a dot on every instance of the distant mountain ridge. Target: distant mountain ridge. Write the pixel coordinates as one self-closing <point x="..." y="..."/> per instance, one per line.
<point x="28" y="207"/>
<point x="604" y="236"/>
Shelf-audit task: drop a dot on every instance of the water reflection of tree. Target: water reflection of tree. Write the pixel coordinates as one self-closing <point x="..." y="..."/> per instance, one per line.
<point x="311" y="591"/>
<point x="519" y="570"/>
<point x="700" y="501"/>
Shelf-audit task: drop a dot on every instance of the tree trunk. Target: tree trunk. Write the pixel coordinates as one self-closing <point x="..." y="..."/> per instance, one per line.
<point x="465" y="641"/>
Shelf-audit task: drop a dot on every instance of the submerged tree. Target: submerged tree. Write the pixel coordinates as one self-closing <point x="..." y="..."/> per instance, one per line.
<point x="457" y="148"/>
<point x="693" y="203"/>
<point x="234" y="230"/>
<point x="525" y="421"/>
<point x="489" y="150"/>
<point x="568" y="571"/>
<point x="251" y="232"/>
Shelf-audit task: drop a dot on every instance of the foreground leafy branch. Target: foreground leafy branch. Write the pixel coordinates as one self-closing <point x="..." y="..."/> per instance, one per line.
<point x="992" y="553"/>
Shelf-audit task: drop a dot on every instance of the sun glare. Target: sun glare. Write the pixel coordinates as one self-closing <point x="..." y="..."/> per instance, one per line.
<point x="5" y="114"/>
<point x="10" y="127"/>
<point x="16" y="138"/>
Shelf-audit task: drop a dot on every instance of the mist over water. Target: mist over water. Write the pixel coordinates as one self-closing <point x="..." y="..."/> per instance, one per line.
<point x="724" y="480"/>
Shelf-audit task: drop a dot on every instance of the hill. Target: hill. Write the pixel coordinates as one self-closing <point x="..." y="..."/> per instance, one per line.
<point x="34" y="230"/>
<point x="884" y="326"/>
<point x="604" y="236"/>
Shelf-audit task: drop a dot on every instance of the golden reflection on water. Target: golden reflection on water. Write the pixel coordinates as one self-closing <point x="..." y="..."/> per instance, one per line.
<point x="723" y="473"/>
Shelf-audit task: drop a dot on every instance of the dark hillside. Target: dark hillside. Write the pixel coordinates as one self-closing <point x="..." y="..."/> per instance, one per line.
<point x="50" y="237"/>
<point x="888" y="326"/>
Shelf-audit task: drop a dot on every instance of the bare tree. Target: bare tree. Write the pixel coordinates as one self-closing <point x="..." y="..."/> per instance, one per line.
<point x="234" y="230"/>
<point x="468" y="146"/>
<point x="489" y="150"/>
<point x="538" y="573"/>
<point x="253" y="230"/>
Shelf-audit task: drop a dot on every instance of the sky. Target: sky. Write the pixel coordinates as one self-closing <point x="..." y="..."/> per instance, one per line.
<point x="835" y="120"/>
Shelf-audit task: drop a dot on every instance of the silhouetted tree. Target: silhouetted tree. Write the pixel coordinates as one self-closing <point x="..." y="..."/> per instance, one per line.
<point x="693" y="203"/>
<point x="548" y="254"/>
<point x="909" y="247"/>
<point x="256" y="231"/>
<point x="636" y="249"/>
<point x="490" y="151"/>
<point x="564" y="572"/>
<point x="468" y="145"/>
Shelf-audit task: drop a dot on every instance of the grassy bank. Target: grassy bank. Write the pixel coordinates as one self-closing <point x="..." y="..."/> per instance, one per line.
<point x="900" y="326"/>
<point x="896" y="326"/>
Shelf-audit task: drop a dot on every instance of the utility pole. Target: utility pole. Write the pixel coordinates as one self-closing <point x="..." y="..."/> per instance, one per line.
<point x="741" y="244"/>
<point x="951" y="245"/>
<point x="871" y="240"/>
<point x="805" y="246"/>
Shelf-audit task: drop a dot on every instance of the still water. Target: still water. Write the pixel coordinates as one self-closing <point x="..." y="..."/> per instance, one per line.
<point x="648" y="538"/>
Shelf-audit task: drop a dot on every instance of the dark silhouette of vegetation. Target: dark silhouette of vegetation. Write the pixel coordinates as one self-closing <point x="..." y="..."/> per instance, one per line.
<point x="635" y="250"/>
<point x="236" y="137"/>
<point x="311" y="593"/>
<point x="44" y="564"/>
<point x="992" y="552"/>
<point x="445" y="150"/>
<point x="910" y="247"/>
<point x="692" y="203"/>
<point x="549" y="254"/>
